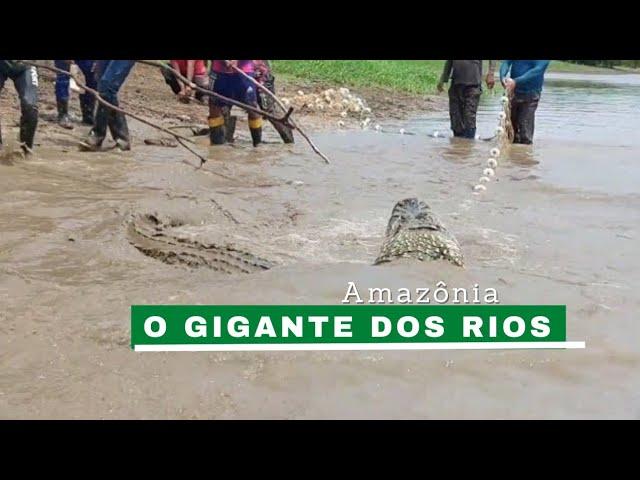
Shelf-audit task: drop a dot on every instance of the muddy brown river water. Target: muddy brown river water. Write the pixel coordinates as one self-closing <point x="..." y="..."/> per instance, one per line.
<point x="559" y="225"/>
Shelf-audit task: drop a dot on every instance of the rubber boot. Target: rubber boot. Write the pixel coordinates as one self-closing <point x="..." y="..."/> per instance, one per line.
<point x="268" y="105"/>
<point x="229" y="124"/>
<point x="119" y="130"/>
<point x="255" y="127"/>
<point x="470" y="133"/>
<point x="28" y="125"/>
<point x="63" y="114"/>
<point x="230" y="127"/>
<point x="87" y="106"/>
<point x="217" y="131"/>
<point x="256" y="136"/>
<point x="99" y="130"/>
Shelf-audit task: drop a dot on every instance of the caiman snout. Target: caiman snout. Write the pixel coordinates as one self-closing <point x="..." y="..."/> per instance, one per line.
<point x="415" y="231"/>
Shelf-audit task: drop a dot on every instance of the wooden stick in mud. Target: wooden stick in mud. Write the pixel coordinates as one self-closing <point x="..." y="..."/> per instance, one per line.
<point x="203" y="160"/>
<point x="284" y="108"/>
<point x="249" y="108"/>
<point x="93" y="92"/>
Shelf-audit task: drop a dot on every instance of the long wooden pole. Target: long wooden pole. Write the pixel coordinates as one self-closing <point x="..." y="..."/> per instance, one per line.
<point x="284" y="108"/>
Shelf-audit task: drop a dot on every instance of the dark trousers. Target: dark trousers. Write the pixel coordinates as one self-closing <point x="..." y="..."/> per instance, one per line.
<point x="111" y="74"/>
<point x="267" y="104"/>
<point x="463" y="107"/>
<point x="87" y="101"/>
<point x="523" y="116"/>
<point x="26" y="83"/>
<point x="62" y="81"/>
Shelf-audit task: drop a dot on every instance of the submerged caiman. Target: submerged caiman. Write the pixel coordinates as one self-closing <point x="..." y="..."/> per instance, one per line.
<point x="414" y="231"/>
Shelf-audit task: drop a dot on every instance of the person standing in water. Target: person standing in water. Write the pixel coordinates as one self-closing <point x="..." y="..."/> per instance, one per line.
<point x="25" y="80"/>
<point x="111" y="75"/>
<point x="231" y="84"/>
<point x="264" y="75"/>
<point x="523" y="80"/>
<point x="464" y="93"/>
<point x="87" y="101"/>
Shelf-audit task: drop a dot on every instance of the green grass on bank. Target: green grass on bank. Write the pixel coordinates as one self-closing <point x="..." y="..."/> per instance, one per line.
<point x="411" y="76"/>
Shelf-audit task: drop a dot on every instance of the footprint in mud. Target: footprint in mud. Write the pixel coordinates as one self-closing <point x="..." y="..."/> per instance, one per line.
<point x="163" y="240"/>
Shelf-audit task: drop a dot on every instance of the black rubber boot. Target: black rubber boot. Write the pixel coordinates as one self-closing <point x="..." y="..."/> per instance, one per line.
<point x="256" y="136"/>
<point x="99" y="130"/>
<point x="124" y="139"/>
<point x="216" y="130"/>
<point x="87" y="106"/>
<point x="469" y="133"/>
<point x="28" y="125"/>
<point x="119" y="130"/>
<point x="230" y="127"/>
<point x="216" y="135"/>
<point x="63" y="114"/>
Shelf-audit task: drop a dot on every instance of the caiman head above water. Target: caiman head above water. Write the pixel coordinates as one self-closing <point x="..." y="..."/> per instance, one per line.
<point x="414" y="231"/>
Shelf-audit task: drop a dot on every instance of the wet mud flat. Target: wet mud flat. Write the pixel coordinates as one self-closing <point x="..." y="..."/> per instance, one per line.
<point x="85" y="236"/>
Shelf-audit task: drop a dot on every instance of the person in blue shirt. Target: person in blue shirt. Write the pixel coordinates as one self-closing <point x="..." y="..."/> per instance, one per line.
<point x="523" y="80"/>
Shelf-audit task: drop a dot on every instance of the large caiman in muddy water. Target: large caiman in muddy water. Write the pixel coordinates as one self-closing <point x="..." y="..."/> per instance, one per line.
<point x="414" y="231"/>
<point x="157" y="237"/>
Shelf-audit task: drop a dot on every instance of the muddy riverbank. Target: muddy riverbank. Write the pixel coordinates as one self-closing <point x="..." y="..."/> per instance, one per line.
<point x="145" y="93"/>
<point x="558" y="225"/>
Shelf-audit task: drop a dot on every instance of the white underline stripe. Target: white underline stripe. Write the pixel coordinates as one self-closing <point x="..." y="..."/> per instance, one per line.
<point x="356" y="346"/>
